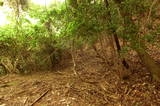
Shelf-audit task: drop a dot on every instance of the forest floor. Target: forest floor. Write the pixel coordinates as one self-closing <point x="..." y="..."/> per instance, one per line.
<point x="96" y="84"/>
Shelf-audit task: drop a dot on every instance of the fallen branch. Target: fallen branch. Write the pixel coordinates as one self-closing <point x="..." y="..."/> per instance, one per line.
<point x="38" y="99"/>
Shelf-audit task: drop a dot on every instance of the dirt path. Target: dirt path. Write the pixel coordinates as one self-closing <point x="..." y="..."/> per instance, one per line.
<point x="64" y="89"/>
<point x="40" y="89"/>
<point x="96" y="85"/>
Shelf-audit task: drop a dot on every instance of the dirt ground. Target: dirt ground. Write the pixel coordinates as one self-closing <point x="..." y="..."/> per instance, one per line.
<point x="96" y="84"/>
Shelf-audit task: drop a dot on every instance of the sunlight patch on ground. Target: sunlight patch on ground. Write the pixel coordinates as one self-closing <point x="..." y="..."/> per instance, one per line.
<point x="45" y="2"/>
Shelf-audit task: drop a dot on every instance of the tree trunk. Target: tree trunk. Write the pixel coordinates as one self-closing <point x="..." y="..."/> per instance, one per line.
<point x="146" y="59"/>
<point x="150" y="64"/>
<point x="124" y="72"/>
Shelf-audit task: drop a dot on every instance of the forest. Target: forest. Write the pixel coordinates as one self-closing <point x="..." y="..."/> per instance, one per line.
<point x="79" y="53"/>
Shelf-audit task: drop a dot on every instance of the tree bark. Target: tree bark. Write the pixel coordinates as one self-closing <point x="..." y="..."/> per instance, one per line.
<point x="150" y="64"/>
<point x="146" y="59"/>
<point x="118" y="46"/>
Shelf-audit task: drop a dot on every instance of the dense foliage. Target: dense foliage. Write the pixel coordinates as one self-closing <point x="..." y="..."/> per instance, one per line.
<point x="37" y="32"/>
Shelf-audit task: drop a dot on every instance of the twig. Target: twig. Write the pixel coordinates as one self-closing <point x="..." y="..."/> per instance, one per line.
<point x="149" y="16"/>
<point x="39" y="98"/>
<point x="73" y="58"/>
<point x="25" y="101"/>
<point x="47" y="57"/>
<point x="150" y="10"/>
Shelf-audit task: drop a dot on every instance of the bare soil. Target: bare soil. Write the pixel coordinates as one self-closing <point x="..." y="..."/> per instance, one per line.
<point x="96" y="84"/>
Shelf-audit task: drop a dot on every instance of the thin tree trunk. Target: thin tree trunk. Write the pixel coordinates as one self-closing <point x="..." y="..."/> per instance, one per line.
<point x="123" y="73"/>
<point x="146" y="59"/>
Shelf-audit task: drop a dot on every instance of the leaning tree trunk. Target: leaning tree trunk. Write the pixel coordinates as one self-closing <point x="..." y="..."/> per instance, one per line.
<point x="146" y="59"/>
<point x="150" y="64"/>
